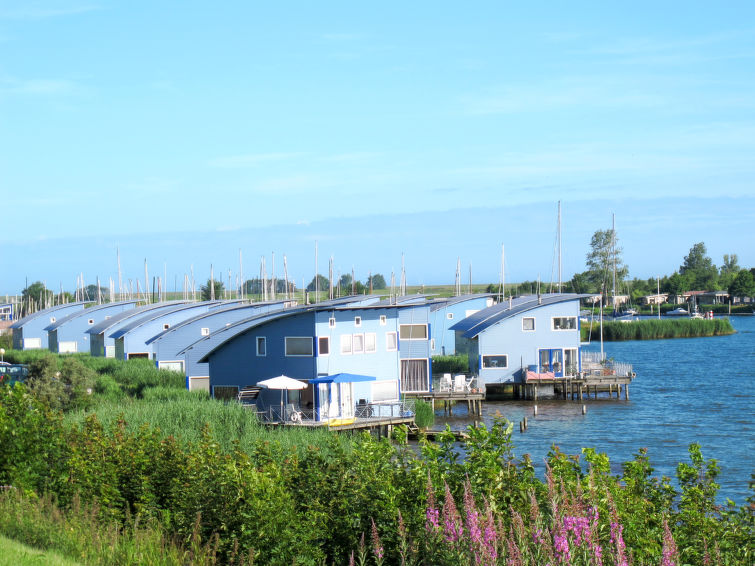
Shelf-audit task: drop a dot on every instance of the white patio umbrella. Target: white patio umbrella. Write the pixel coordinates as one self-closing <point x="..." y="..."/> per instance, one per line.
<point x="284" y="383"/>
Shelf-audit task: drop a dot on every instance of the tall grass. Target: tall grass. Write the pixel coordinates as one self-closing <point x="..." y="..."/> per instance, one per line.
<point x="652" y="329"/>
<point x="184" y="415"/>
<point x="81" y="534"/>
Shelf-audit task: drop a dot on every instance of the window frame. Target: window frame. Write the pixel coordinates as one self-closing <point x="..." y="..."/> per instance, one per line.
<point x="373" y="336"/>
<point x="395" y="341"/>
<point x="383" y="320"/>
<point x="346" y="339"/>
<point x="261" y="340"/>
<point x="505" y="366"/>
<point x="311" y="347"/>
<point x="332" y="322"/>
<point x="410" y="326"/>
<point x="357" y="321"/>
<point x="534" y="325"/>
<point x="204" y="331"/>
<point x="354" y="339"/>
<point x="553" y="324"/>
<point x="319" y="345"/>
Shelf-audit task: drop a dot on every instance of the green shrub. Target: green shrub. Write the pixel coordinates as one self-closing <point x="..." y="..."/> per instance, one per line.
<point x="424" y="417"/>
<point x="451" y="364"/>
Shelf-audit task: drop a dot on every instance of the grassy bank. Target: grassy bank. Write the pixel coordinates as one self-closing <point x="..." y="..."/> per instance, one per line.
<point x="13" y="553"/>
<point x="651" y="329"/>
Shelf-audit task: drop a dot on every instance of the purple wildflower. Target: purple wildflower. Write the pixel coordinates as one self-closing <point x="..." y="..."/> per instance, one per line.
<point x="451" y="521"/>
<point x="561" y="546"/>
<point x="377" y="547"/>
<point x="670" y="554"/>
<point x="618" y="541"/>
<point x="432" y="523"/>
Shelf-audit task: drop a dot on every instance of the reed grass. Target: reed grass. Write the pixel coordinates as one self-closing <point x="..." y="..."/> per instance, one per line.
<point x="184" y="415"/>
<point x="652" y="329"/>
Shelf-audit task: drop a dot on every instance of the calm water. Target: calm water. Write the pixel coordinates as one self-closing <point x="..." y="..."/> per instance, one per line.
<point x="687" y="390"/>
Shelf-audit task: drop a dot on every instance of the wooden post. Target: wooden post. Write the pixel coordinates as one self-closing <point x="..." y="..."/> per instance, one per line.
<point x="525" y="423"/>
<point x="521" y="426"/>
<point x="535" y="410"/>
<point x="626" y="392"/>
<point x="584" y="409"/>
<point x="535" y="392"/>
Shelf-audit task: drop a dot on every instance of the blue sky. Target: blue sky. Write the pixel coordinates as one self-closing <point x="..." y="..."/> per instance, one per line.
<point x="183" y="132"/>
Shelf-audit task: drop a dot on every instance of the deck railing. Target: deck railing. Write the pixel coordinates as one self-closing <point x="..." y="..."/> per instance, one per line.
<point x="595" y="361"/>
<point x="373" y="411"/>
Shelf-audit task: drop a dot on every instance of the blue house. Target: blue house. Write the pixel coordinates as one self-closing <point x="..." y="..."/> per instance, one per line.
<point x="131" y="338"/>
<point x="446" y="312"/>
<point x="310" y="342"/>
<point x="29" y="333"/>
<point x="68" y="335"/>
<point x="531" y="332"/>
<point x="169" y="346"/>
<point x="100" y="342"/>
<point x="415" y="335"/>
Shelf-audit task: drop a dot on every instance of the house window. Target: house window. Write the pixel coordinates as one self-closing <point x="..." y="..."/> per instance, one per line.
<point x="299" y="346"/>
<point x="564" y="322"/>
<point x="91" y="321"/>
<point x="413" y="331"/>
<point x="52" y="319"/>
<point x="323" y="345"/>
<point x="528" y="323"/>
<point x="495" y="362"/>
<point x="391" y="343"/>
<point x="166" y="326"/>
<point x="204" y="331"/>
<point x="225" y="392"/>
<point x="370" y="343"/>
<point x="332" y="322"/>
<point x="346" y="344"/>
<point x="261" y="346"/>
<point x="358" y="343"/>
<point x="357" y="321"/>
<point x="571" y="364"/>
<point x="383" y="320"/>
<point x="450" y="316"/>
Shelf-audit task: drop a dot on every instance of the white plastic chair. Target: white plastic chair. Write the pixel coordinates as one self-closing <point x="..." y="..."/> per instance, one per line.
<point x="459" y="383"/>
<point x="445" y="383"/>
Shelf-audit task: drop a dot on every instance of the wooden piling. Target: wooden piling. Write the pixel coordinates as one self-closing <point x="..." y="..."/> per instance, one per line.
<point x="584" y="409"/>
<point x="535" y="410"/>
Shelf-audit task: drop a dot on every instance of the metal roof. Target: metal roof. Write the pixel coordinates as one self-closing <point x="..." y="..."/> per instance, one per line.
<point x="80" y="313"/>
<point x="101" y="327"/>
<point x="436" y="304"/>
<point x="479" y="321"/>
<point x="405" y="299"/>
<point x="142" y="320"/>
<point x="212" y="312"/>
<point x="28" y="318"/>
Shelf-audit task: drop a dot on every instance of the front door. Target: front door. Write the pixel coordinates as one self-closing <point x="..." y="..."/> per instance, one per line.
<point x="347" y="402"/>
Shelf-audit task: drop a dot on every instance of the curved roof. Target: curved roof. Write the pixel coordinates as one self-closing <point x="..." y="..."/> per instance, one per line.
<point x="447" y="302"/>
<point x="479" y="321"/>
<point x="28" y="318"/>
<point x="142" y="320"/>
<point x="80" y="313"/>
<point x="101" y="327"/>
<point x="213" y="312"/>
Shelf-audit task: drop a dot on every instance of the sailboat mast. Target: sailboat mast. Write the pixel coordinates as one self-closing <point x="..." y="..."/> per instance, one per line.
<point x="613" y="254"/>
<point x="560" y="282"/>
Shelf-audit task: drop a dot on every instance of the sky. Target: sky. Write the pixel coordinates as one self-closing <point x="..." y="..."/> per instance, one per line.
<point x="186" y="134"/>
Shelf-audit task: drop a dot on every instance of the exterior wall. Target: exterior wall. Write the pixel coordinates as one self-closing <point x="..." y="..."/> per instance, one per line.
<point x="33" y="327"/>
<point x="236" y="363"/>
<point x="415" y="349"/>
<point x="522" y="347"/>
<point x="443" y="340"/>
<point x="135" y="340"/>
<point x="167" y="347"/>
<point x="382" y="363"/>
<point x="75" y="330"/>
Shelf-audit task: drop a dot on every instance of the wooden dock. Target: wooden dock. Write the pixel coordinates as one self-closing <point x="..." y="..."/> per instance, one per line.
<point x="574" y="388"/>
<point x="448" y="399"/>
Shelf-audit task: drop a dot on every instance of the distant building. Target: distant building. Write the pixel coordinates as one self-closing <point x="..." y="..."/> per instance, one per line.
<point x="29" y="333"/>
<point x="446" y="312"/>
<point x="68" y="335"/>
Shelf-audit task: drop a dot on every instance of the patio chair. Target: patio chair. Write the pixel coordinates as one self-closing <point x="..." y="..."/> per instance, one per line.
<point x="460" y="382"/>
<point x="445" y="383"/>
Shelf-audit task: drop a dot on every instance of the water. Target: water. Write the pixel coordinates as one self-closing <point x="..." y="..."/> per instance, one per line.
<point x="686" y="390"/>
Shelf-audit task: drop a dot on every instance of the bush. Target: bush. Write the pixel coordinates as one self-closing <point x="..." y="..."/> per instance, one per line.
<point x="451" y="364"/>
<point x="424" y="417"/>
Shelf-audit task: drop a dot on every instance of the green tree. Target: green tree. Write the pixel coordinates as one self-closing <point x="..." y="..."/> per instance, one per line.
<point x="345" y="283"/>
<point x="579" y="283"/>
<point x="677" y="284"/>
<point x="604" y="254"/>
<point x="378" y="282"/>
<point x="206" y="290"/>
<point x="35" y="297"/>
<point x="90" y="293"/>
<point x="743" y="285"/>
<point x="728" y="270"/>
<point x="322" y="283"/>
<point x="699" y="268"/>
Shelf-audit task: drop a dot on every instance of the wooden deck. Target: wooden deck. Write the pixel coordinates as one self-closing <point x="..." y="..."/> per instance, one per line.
<point x="574" y="388"/>
<point x="473" y="399"/>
